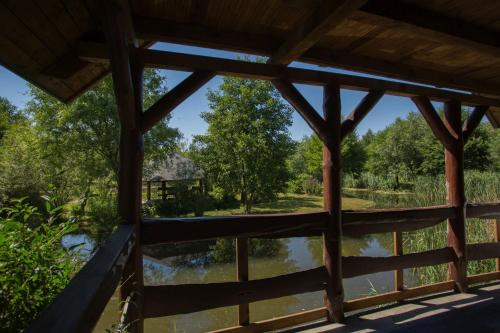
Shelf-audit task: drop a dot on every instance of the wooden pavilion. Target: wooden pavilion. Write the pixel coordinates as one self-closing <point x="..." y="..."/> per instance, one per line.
<point x="449" y="49"/>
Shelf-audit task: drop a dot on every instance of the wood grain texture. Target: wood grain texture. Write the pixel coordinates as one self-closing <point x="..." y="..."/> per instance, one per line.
<point x="184" y="62"/>
<point x="355" y="266"/>
<point x="454" y="169"/>
<point x="332" y="202"/>
<point x="167" y="230"/>
<point x="185" y="298"/>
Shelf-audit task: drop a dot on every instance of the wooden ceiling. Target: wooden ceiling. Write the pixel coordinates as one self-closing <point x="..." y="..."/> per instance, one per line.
<point x="445" y="43"/>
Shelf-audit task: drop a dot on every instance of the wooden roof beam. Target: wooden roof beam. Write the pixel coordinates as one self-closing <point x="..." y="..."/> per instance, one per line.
<point x="167" y="31"/>
<point x="188" y="62"/>
<point x="325" y="18"/>
<point x="357" y="115"/>
<point x="473" y="121"/>
<point x="436" y="25"/>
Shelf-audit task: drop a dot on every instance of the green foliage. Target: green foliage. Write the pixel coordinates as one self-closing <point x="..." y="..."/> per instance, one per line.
<point x="247" y="143"/>
<point x="34" y="267"/>
<point x="9" y="115"/>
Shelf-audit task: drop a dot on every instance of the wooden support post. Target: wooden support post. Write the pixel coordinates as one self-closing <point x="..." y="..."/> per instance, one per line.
<point x="148" y="195"/>
<point x="497" y="239"/>
<point x="242" y="274"/>
<point x="332" y="249"/>
<point x="398" y="250"/>
<point x="127" y="73"/>
<point x="164" y="191"/>
<point x="454" y="161"/>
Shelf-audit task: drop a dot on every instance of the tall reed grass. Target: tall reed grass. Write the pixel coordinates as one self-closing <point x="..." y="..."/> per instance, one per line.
<point x="428" y="191"/>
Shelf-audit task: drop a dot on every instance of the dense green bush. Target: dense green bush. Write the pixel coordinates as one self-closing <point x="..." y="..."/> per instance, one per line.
<point x="305" y="184"/>
<point x="34" y="267"/>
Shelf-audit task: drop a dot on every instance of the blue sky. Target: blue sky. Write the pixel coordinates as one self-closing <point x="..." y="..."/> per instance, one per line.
<point x="187" y="115"/>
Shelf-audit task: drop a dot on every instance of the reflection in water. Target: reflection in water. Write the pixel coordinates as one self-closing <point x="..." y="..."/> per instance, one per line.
<point x="192" y="264"/>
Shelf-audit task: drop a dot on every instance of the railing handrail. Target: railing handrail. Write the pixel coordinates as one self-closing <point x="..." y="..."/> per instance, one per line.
<point x="78" y="307"/>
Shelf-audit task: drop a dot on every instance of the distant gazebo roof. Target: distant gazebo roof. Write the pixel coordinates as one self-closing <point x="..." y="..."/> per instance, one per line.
<point x="176" y="167"/>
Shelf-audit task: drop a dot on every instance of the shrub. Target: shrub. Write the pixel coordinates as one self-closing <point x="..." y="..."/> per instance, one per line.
<point x="34" y="267"/>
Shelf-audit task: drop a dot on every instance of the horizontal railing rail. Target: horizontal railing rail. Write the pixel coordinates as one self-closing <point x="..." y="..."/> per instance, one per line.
<point x="185" y="298"/>
<point x="358" y="265"/>
<point x="78" y="307"/>
<point x="355" y="223"/>
<point x="171" y="230"/>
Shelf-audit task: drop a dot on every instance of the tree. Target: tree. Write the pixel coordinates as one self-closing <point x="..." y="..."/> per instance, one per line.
<point x="8" y="115"/>
<point x="308" y="156"/>
<point x="77" y="145"/>
<point x="247" y="143"/>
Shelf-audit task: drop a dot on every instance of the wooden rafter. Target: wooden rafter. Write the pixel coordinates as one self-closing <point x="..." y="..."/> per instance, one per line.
<point x="188" y="62"/>
<point x="357" y="115"/>
<point x="473" y="121"/>
<point x="434" y="121"/>
<point x="326" y="17"/>
<point x="295" y="98"/>
<point x="436" y="25"/>
<point x="167" y="31"/>
<point x="173" y="98"/>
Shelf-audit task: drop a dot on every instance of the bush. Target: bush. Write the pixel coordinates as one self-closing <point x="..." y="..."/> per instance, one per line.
<point x="34" y="266"/>
<point x="305" y="184"/>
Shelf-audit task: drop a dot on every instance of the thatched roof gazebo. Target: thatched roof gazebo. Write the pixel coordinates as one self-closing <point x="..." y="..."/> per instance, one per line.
<point x="431" y="50"/>
<point x="175" y="168"/>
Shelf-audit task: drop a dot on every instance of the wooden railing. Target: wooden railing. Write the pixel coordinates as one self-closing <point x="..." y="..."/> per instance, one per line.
<point x="175" y="299"/>
<point x="79" y="306"/>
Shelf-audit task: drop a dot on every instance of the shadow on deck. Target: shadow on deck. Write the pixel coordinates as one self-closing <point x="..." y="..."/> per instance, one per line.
<point x="476" y="311"/>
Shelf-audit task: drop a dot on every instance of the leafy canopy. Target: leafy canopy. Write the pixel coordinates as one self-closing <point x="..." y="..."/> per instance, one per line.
<point x="247" y="143"/>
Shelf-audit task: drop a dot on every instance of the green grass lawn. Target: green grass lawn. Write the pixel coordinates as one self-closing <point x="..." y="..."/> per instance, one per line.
<point x="293" y="203"/>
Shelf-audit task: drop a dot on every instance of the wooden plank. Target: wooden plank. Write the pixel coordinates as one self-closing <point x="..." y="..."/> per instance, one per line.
<point x="454" y="169"/>
<point x="398" y="250"/>
<point x="278" y="323"/>
<point x="173" y="98"/>
<point x="185" y="62"/>
<point x="434" y="121"/>
<point x="242" y="276"/>
<point x="496" y="228"/>
<point x="473" y="121"/>
<point x="394" y="215"/>
<point x="483" y="251"/>
<point x="483" y="210"/>
<point x="370" y="301"/>
<point x="332" y="196"/>
<point x="168" y="31"/>
<point x="78" y="307"/>
<point x="355" y="266"/>
<point x="185" y="298"/>
<point x="367" y="228"/>
<point x="166" y="230"/>
<point x="357" y="115"/>
<point x="308" y="32"/>
<point x="308" y="113"/>
<point x="483" y="277"/>
<point x="446" y="29"/>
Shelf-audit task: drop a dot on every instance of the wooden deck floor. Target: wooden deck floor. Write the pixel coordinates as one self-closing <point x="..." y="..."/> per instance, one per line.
<point x="476" y="311"/>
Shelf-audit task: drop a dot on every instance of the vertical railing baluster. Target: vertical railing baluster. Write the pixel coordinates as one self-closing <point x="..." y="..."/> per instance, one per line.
<point x="242" y="275"/>
<point x="496" y="224"/>
<point x="398" y="250"/>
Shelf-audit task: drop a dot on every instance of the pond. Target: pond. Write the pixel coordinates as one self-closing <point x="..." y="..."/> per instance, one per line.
<point x="165" y="265"/>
